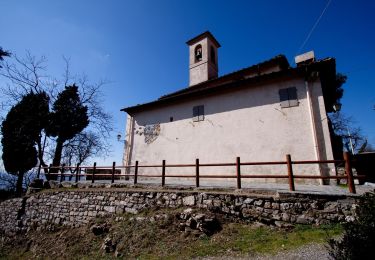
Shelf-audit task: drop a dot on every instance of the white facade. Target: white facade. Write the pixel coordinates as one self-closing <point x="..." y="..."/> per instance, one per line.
<point x="248" y="123"/>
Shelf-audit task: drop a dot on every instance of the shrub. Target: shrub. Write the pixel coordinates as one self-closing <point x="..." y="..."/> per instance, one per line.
<point x="358" y="239"/>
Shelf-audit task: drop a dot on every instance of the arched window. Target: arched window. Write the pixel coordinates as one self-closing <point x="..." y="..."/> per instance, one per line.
<point x="213" y="55"/>
<point x="198" y="53"/>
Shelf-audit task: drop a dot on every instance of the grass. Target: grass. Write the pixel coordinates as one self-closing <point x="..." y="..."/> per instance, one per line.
<point x="344" y="186"/>
<point x="239" y="239"/>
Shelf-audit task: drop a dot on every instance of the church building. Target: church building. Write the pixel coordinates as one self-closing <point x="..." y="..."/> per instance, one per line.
<point x="260" y="113"/>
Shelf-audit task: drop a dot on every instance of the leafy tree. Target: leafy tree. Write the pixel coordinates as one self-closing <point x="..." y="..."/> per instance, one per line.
<point x="67" y="119"/>
<point x="29" y="74"/>
<point x="20" y="131"/>
<point x="339" y="91"/>
<point x="359" y="236"/>
<point x="3" y="54"/>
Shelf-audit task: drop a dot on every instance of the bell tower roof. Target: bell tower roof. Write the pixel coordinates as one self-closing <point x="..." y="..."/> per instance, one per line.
<point x="201" y="36"/>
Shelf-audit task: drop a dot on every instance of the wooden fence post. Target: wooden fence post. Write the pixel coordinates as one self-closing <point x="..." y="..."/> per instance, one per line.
<point x="62" y="172"/>
<point x="337" y="174"/>
<point x="77" y="169"/>
<point x="163" y="174"/>
<point x="49" y="171"/>
<point x="136" y="172"/>
<point x="197" y="173"/>
<point x="93" y="173"/>
<point x="113" y="172"/>
<point x="290" y="172"/>
<point x="45" y="169"/>
<point x="39" y="169"/>
<point x="349" y="173"/>
<point x="238" y="171"/>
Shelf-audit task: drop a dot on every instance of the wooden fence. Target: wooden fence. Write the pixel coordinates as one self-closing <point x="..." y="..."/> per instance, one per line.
<point x="76" y="171"/>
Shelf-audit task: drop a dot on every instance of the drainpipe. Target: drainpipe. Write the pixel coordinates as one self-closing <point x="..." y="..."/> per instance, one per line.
<point x="129" y="142"/>
<point x="313" y="128"/>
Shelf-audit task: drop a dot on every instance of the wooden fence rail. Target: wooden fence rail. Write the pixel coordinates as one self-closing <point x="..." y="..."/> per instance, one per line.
<point x="238" y="176"/>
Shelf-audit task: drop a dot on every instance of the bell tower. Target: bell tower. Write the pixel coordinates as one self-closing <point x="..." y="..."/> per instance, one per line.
<point x="203" y="62"/>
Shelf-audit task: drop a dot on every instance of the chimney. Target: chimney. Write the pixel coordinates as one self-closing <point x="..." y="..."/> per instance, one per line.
<point x="305" y="58"/>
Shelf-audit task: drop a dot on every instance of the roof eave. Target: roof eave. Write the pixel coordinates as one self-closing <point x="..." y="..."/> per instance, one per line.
<point x="203" y="35"/>
<point x="325" y="66"/>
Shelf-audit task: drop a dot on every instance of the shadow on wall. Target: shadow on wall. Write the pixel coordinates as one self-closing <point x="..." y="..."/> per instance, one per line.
<point x="223" y="101"/>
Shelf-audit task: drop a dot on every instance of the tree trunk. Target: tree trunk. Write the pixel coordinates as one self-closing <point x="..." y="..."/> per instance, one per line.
<point x="56" y="159"/>
<point x="19" y="184"/>
<point x="41" y="151"/>
<point x="58" y="151"/>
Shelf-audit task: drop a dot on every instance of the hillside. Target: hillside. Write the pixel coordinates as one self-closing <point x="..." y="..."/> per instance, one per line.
<point x="163" y="233"/>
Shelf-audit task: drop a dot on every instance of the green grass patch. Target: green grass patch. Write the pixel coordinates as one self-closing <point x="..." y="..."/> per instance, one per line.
<point x="240" y="239"/>
<point x="344" y="186"/>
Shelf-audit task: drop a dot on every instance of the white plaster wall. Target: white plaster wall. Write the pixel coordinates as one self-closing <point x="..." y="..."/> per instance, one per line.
<point x="248" y="123"/>
<point x="198" y="74"/>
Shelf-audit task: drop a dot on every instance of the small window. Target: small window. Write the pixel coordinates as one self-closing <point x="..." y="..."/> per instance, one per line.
<point x="198" y="53"/>
<point x="171" y="119"/>
<point x="213" y="55"/>
<point x="288" y="97"/>
<point x="198" y="113"/>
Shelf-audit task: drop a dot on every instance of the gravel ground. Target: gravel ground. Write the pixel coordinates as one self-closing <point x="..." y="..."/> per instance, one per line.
<point x="310" y="251"/>
<point x="249" y="186"/>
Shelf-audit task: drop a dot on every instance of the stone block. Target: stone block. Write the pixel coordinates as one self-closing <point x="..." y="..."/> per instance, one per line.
<point x="110" y="209"/>
<point x="217" y="203"/>
<point x="188" y="201"/>
<point x="119" y="210"/>
<point x="131" y="210"/>
<point x="275" y="205"/>
<point x="285" y="217"/>
<point x="267" y="205"/>
<point x="248" y="201"/>
<point x="302" y="219"/>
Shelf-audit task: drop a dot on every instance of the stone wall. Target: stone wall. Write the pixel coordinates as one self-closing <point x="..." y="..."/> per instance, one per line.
<point x="77" y="207"/>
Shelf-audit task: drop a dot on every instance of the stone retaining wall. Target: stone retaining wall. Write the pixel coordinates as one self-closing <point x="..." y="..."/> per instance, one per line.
<point x="77" y="207"/>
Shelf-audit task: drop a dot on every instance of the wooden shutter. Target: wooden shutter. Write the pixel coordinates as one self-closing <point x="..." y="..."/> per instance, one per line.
<point x="293" y="100"/>
<point x="196" y="114"/>
<point x="201" y="113"/>
<point x="284" y="100"/>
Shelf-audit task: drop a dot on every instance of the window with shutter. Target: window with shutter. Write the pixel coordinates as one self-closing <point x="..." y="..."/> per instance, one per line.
<point x="288" y="97"/>
<point x="198" y="113"/>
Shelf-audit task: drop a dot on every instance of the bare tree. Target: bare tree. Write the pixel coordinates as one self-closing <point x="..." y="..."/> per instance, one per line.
<point x="29" y="74"/>
<point x="82" y="147"/>
<point x="352" y="137"/>
<point x="9" y="181"/>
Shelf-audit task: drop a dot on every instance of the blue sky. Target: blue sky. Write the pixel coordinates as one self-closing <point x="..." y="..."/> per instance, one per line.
<point x="139" y="46"/>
